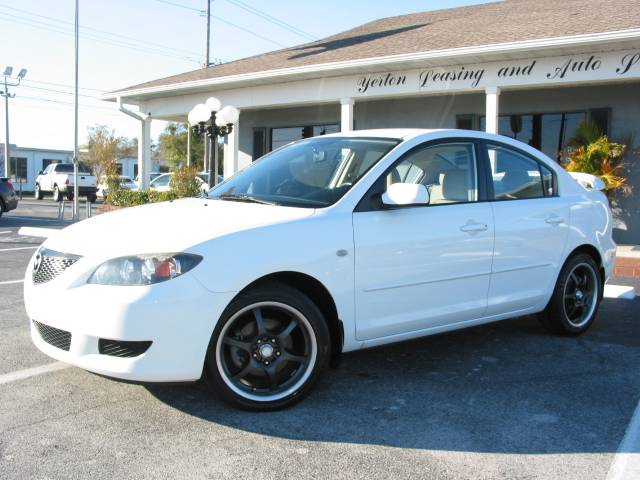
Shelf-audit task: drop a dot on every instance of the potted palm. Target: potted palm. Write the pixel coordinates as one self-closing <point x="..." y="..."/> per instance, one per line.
<point x="592" y="152"/>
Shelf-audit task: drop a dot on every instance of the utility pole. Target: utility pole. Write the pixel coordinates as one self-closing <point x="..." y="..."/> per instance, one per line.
<point x="7" y="75"/>
<point x="207" y="63"/>
<point x="76" y="153"/>
<point x="6" y="129"/>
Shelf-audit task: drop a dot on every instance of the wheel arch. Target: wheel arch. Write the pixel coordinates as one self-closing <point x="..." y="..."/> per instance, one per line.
<point x="594" y="253"/>
<point x="320" y="295"/>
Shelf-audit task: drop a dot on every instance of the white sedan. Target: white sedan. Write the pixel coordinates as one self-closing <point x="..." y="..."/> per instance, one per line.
<point x="331" y="244"/>
<point x="162" y="183"/>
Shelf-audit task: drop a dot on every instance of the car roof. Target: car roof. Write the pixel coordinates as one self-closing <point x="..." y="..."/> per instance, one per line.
<point x="409" y="133"/>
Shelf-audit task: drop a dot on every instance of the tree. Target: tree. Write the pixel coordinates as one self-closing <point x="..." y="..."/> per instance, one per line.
<point x="102" y="146"/>
<point x="172" y="146"/>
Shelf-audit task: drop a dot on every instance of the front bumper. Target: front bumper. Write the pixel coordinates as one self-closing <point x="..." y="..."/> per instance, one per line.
<point x="177" y="317"/>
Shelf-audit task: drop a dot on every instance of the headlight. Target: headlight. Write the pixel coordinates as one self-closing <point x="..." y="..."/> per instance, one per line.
<point x="144" y="269"/>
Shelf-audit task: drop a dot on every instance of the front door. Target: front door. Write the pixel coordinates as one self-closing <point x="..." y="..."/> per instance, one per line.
<point x="421" y="267"/>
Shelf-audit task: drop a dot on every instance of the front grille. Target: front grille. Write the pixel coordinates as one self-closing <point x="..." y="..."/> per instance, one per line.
<point x="49" y="264"/>
<point x="54" y="336"/>
<point x="121" y="348"/>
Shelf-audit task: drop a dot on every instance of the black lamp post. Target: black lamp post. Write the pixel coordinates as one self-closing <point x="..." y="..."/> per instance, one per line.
<point x="214" y="122"/>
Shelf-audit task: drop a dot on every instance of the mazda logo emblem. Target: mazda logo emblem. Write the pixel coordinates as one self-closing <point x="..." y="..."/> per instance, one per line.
<point x="37" y="262"/>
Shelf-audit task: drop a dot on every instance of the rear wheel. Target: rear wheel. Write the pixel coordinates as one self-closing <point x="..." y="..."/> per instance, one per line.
<point x="268" y="349"/>
<point x="92" y="198"/>
<point x="70" y="195"/>
<point x="576" y="297"/>
<point x="2" y="207"/>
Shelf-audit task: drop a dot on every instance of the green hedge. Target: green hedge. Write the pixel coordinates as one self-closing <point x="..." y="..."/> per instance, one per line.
<point x="128" y="198"/>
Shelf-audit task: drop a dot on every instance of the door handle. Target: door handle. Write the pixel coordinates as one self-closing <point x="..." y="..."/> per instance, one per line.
<point x="554" y="220"/>
<point x="474" y="227"/>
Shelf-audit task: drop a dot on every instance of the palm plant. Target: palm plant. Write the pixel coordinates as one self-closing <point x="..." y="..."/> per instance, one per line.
<point x="592" y="152"/>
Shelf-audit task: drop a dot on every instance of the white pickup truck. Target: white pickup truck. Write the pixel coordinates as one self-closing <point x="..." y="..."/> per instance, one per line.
<point x="57" y="179"/>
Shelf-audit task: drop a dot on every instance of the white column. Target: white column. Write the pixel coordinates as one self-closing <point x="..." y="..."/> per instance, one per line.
<point x="144" y="153"/>
<point x="230" y="161"/>
<point x="346" y="114"/>
<point x="492" y="95"/>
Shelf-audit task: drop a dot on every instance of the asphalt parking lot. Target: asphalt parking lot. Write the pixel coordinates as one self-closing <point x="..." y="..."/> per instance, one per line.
<point x="506" y="401"/>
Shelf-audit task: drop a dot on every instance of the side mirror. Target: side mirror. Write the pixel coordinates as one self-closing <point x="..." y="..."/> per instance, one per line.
<point x="40" y="172"/>
<point x="404" y="194"/>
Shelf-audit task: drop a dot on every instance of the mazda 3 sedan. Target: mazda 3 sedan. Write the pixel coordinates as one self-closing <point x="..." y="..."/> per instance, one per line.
<point x="327" y="245"/>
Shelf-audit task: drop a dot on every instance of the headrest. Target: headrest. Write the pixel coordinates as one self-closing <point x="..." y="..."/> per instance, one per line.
<point x="455" y="185"/>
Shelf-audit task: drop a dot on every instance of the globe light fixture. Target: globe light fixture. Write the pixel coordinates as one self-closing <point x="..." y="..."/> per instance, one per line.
<point x="214" y="121"/>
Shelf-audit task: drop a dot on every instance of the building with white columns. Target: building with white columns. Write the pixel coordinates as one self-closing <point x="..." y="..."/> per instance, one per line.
<point x="530" y="69"/>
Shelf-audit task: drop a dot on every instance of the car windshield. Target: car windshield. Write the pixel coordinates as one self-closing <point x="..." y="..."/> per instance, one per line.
<point x="312" y="173"/>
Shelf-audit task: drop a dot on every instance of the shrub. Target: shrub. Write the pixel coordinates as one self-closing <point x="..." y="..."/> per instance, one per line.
<point x="128" y="198"/>
<point x="184" y="182"/>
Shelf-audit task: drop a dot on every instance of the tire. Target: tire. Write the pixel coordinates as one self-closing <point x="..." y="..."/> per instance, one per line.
<point x="92" y="198"/>
<point x="268" y="349"/>
<point x="37" y="194"/>
<point x="69" y="195"/>
<point x="576" y="297"/>
<point x="56" y="194"/>
<point x="2" y="207"/>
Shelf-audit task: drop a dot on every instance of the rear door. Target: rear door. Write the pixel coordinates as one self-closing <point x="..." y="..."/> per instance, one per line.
<point x="420" y="267"/>
<point x="531" y="228"/>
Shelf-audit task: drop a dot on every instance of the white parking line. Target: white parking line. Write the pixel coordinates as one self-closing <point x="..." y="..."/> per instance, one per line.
<point x="619" y="291"/>
<point x="9" y="282"/>
<point x="626" y="462"/>
<point x="18" y="248"/>
<point x="32" y="372"/>
<point x="6" y="231"/>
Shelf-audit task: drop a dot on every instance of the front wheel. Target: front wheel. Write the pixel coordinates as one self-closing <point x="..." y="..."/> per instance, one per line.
<point x="37" y="194"/>
<point x="56" y="194"/>
<point x="268" y="349"/>
<point x="576" y="297"/>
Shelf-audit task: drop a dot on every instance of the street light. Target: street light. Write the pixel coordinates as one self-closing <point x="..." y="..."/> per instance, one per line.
<point x="7" y="83"/>
<point x="214" y="120"/>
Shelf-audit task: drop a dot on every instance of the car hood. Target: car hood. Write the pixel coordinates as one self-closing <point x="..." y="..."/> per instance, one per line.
<point x="166" y="227"/>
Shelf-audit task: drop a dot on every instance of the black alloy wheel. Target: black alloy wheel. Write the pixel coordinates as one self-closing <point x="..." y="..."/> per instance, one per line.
<point x="576" y="297"/>
<point x="268" y="349"/>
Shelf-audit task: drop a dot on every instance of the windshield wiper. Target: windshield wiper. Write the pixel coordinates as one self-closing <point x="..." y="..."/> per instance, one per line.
<point x="234" y="197"/>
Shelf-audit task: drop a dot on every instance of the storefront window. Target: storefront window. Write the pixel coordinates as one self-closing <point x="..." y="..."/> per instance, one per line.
<point x="282" y="136"/>
<point x="548" y="132"/>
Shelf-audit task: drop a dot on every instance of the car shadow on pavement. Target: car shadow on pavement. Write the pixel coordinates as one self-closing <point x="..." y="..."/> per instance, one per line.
<point x="508" y="387"/>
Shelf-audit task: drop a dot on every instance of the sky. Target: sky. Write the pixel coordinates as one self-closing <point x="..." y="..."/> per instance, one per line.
<point x="125" y="42"/>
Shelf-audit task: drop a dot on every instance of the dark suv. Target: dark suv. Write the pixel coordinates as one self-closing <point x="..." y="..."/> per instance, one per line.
<point x="8" y="197"/>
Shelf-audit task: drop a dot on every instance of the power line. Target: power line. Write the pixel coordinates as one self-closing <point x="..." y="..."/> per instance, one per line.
<point x="59" y="91"/>
<point x="62" y="102"/>
<point x="223" y="20"/>
<point x="118" y="43"/>
<point x="173" y="4"/>
<point x="105" y="32"/>
<point x="61" y="85"/>
<point x="272" y="19"/>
